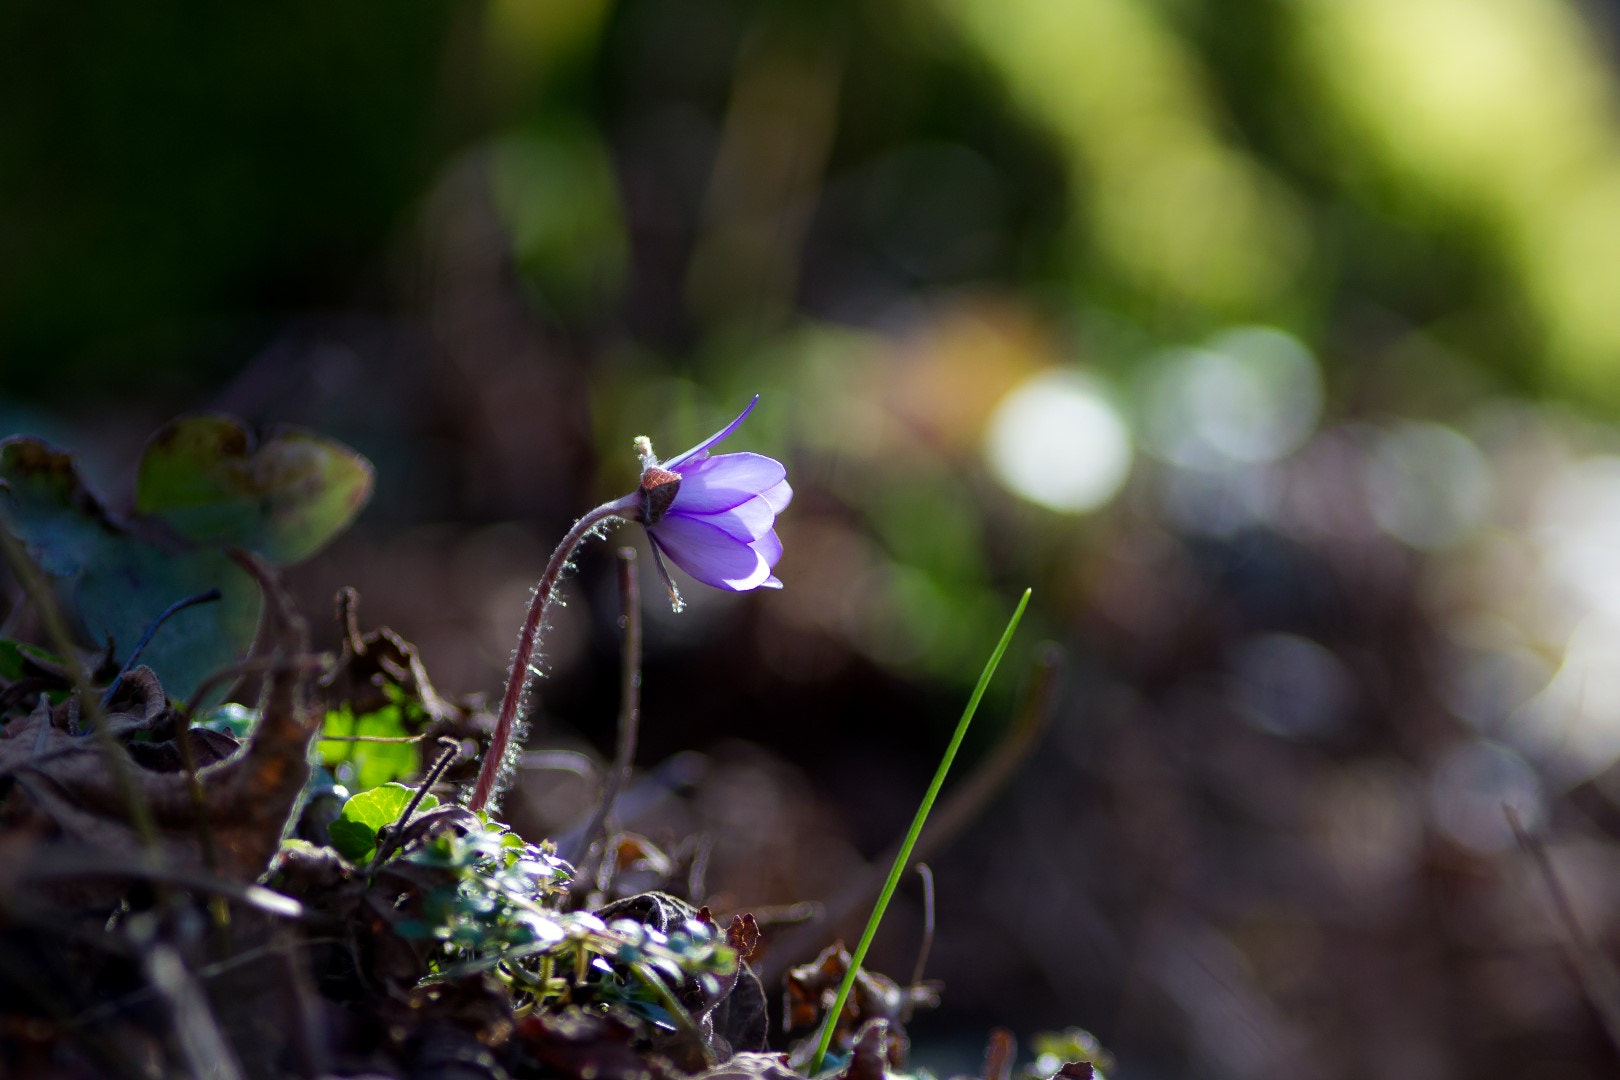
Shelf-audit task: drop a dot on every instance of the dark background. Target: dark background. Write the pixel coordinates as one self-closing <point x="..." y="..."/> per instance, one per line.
<point x="1274" y="343"/>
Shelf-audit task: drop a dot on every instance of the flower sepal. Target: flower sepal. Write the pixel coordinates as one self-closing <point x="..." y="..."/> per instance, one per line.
<point x="659" y="488"/>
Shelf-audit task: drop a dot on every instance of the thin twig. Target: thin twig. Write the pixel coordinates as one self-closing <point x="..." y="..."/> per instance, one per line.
<point x="308" y="1044"/>
<point x="788" y="914"/>
<point x="285" y="945"/>
<point x="75" y="863"/>
<point x="568" y="761"/>
<point x="152" y="628"/>
<point x="448" y="749"/>
<point x="624" y="753"/>
<point x="697" y="874"/>
<point x="1597" y="975"/>
<point x="927" y="945"/>
<point x="196" y="1031"/>
<point x="373" y="738"/>
<point x="261" y="665"/>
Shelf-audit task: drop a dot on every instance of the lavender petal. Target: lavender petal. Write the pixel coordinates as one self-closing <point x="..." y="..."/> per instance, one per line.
<point x="747" y="521"/>
<point x="725" y="480"/>
<point x="702" y="448"/>
<point x="768" y="547"/>
<point x="709" y="554"/>
<point x="778" y="495"/>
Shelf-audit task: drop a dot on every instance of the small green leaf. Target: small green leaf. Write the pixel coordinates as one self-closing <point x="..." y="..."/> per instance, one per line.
<point x="368" y="764"/>
<point x="14" y="657"/>
<point x="284" y="496"/>
<point x="229" y="719"/>
<point x="1054" y="1048"/>
<point x="354" y="833"/>
<point x="18" y="659"/>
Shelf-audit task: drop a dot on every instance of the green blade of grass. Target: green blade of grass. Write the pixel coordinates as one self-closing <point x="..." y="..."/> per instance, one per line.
<point x="904" y="857"/>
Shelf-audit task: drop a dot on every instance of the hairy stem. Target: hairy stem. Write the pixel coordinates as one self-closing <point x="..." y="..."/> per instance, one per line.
<point x="529" y="644"/>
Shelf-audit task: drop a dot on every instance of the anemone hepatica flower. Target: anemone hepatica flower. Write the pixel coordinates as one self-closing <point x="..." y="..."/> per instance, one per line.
<point x="714" y="515"/>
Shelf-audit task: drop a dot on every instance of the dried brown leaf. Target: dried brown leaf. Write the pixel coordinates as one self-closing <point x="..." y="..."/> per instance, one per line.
<point x="812" y="988"/>
<point x="874" y="1052"/>
<point x="586" y="1046"/>
<point x="999" y="1055"/>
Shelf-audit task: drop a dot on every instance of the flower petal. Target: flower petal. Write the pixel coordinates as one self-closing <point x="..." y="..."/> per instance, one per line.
<point x="747" y="521"/>
<point x="769" y="548"/>
<point x="709" y="554"/>
<point x="702" y="448"/>
<point x="725" y="480"/>
<point x="778" y="495"/>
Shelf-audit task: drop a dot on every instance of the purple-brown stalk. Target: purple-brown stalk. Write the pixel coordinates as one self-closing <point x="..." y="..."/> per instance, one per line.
<point x="713" y="515"/>
<point x="528" y="644"/>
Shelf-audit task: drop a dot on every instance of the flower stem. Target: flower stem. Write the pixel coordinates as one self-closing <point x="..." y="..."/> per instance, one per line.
<point x="529" y="643"/>
<point x="629" y="714"/>
<point x="904" y="857"/>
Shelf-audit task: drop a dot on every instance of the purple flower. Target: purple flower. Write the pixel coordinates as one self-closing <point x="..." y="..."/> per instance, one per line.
<point x="715" y="515"/>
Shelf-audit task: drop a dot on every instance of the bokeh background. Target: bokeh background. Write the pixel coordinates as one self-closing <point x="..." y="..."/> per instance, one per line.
<point x="1275" y="343"/>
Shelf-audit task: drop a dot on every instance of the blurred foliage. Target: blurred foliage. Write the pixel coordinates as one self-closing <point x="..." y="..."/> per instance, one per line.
<point x="205" y="488"/>
<point x="180" y="171"/>
<point x="284" y="495"/>
<point x="366" y="765"/>
<point x="173" y="179"/>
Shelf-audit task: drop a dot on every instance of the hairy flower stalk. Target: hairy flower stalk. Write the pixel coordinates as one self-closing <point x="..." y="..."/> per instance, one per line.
<point x="529" y="643"/>
<point x="714" y="516"/>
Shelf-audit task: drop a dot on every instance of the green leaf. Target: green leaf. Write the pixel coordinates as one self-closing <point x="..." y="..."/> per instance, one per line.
<point x="14" y="657"/>
<point x="18" y="659"/>
<point x="113" y="581"/>
<point x="369" y="764"/>
<point x="354" y="833"/>
<point x="229" y="719"/>
<point x="903" y="857"/>
<point x="284" y="496"/>
<point x="1053" y="1048"/>
<point x="130" y="586"/>
<point x="47" y="508"/>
